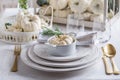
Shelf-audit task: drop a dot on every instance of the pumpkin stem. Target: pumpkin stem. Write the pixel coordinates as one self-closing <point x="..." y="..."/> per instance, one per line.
<point x="30" y="20"/>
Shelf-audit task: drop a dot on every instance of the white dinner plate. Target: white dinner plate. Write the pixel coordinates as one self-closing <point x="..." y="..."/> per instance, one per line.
<point x="83" y="61"/>
<point x="33" y="65"/>
<point x="81" y="52"/>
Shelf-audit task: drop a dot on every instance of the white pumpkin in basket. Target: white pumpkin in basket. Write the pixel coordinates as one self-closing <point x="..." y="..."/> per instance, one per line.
<point x="20" y="16"/>
<point x="31" y="23"/>
<point x="79" y="6"/>
<point x="14" y="28"/>
<point x="58" y="4"/>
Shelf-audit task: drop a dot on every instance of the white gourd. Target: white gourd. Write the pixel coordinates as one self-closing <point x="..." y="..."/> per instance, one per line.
<point x="19" y="17"/>
<point x="96" y="6"/>
<point x="31" y="23"/>
<point x="86" y="16"/>
<point x="62" y="13"/>
<point x="98" y="18"/>
<point x="79" y="6"/>
<point x="61" y="40"/>
<point x="110" y="14"/>
<point x="78" y="16"/>
<point x="58" y="4"/>
<point x="68" y="40"/>
<point x="43" y="23"/>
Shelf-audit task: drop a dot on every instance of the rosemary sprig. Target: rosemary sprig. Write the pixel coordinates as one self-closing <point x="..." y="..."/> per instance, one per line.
<point x="50" y="32"/>
<point x="23" y="4"/>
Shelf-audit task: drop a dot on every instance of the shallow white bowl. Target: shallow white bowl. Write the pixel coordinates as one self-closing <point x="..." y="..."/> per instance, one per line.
<point x="61" y="50"/>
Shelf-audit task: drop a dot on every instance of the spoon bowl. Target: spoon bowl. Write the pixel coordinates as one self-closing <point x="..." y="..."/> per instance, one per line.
<point x="109" y="50"/>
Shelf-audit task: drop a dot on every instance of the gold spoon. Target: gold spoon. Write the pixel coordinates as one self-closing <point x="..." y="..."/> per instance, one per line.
<point x="111" y="52"/>
<point x="108" y="70"/>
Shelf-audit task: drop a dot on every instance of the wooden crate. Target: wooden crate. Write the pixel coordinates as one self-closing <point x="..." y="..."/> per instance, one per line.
<point x="89" y="23"/>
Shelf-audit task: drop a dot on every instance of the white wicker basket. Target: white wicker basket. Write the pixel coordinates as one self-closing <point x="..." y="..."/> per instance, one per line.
<point x="15" y="37"/>
<point x="19" y="37"/>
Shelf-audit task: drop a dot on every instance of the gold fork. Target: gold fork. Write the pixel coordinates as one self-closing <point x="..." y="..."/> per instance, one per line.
<point x="17" y="51"/>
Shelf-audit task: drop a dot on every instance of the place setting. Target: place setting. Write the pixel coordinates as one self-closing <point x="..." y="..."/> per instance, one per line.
<point x="56" y="51"/>
<point x="64" y="36"/>
<point x="59" y="58"/>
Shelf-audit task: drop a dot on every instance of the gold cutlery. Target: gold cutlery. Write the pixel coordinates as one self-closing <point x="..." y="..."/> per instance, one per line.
<point x="108" y="70"/>
<point x="110" y="52"/>
<point x="17" y="51"/>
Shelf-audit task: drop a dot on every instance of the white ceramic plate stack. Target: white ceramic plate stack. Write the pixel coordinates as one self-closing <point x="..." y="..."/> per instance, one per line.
<point x="38" y="58"/>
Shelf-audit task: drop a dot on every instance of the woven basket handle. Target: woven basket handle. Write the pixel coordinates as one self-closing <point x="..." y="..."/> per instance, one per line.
<point x="51" y="18"/>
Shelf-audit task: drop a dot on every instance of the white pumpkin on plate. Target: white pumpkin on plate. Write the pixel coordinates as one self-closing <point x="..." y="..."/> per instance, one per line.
<point x="58" y="4"/>
<point x="31" y="23"/>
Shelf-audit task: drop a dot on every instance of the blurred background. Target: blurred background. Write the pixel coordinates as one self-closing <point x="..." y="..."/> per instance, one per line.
<point x="8" y="4"/>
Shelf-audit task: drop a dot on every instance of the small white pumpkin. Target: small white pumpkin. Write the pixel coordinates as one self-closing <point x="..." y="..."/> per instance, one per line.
<point x="43" y="23"/>
<point x="78" y="16"/>
<point x="110" y="14"/>
<point x="96" y="6"/>
<point x="58" y="4"/>
<point x="62" y="13"/>
<point x="98" y="18"/>
<point x="61" y="40"/>
<point x="86" y="16"/>
<point x="31" y="23"/>
<point x="20" y="16"/>
<point x="79" y="6"/>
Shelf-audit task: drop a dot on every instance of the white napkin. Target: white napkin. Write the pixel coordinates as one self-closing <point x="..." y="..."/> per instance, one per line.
<point x="85" y="38"/>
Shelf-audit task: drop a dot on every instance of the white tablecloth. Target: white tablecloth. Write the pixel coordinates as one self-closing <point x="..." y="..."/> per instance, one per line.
<point x="26" y="73"/>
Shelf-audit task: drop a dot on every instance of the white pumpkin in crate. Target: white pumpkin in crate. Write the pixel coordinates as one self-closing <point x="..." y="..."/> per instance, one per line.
<point x="62" y="13"/>
<point x="31" y="23"/>
<point x="96" y="6"/>
<point x="79" y="6"/>
<point x="86" y="16"/>
<point x="58" y="4"/>
<point x="98" y="18"/>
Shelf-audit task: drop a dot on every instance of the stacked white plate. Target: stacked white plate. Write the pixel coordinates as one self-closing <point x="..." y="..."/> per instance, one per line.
<point x="37" y="57"/>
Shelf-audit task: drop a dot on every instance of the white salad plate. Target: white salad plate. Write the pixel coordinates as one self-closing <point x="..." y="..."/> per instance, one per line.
<point x="83" y="61"/>
<point x="42" y="52"/>
<point x="30" y="63"/>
